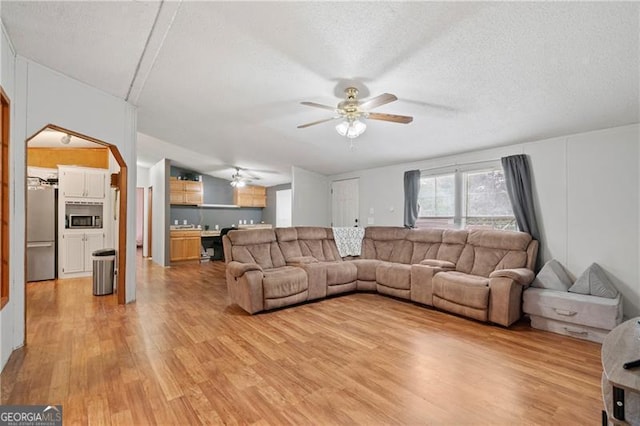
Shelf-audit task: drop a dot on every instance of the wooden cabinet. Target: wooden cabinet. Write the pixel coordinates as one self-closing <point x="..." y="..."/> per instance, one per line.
<point x="185" y="192"/>
<point x="77" y="251"/>
<point x="185" y="245"/>
<point x="250" y="196"/>
<point x="76" y="182"/>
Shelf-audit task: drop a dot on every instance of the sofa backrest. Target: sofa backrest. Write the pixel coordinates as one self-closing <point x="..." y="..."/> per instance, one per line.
<point x="477" y="252"/>
<point x="255" y="246"/>
<point x="434" y="243"/>
<point x="311" y="241"/>
<point x="318" y="242"/>
<point x="387" y="243"/>
<point x="425" y="243"/>
<point x="288" y="242"/>
<point x="487" y="250"/>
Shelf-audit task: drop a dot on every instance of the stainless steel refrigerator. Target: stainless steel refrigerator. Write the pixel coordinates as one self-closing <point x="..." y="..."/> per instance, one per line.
<point x="41" y="233"/>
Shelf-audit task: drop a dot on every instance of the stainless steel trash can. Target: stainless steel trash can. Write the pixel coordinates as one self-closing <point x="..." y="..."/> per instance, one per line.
<point x="104" y="269"/>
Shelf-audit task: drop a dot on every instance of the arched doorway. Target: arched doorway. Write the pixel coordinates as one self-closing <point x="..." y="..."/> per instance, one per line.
<point x="119" y="181"/>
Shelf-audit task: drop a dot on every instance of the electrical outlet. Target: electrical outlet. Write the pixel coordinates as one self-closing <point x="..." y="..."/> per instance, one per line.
<point x="369" y="221"/>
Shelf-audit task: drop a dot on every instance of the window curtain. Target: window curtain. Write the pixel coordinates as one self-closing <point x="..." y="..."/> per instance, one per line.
<point x="411" y="192"/>
<point x="518" y="180"/>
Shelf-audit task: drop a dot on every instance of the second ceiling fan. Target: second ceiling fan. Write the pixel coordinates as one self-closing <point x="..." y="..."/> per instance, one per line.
<point x="352" y="111"/>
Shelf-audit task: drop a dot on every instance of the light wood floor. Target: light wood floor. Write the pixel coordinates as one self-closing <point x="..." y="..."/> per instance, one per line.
<point x="180" y="355"/>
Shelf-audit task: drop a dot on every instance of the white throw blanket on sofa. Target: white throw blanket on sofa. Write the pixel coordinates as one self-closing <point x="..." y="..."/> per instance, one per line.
<point x="348" y="240"/>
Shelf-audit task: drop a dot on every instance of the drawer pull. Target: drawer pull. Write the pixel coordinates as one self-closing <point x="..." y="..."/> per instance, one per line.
<point x="564" y="313"/>
<point x="580" y="332"/>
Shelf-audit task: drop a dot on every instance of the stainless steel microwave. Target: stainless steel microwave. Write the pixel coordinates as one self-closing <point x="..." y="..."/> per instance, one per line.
<point x="84" y="221"/>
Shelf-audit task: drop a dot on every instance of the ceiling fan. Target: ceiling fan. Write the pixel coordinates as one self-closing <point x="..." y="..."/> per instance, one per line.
<point x="352" y="112"/>
<point x="240" y="178"/>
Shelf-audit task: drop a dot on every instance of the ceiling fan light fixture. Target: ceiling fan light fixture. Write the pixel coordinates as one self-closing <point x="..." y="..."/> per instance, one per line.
<point x="237" y="180"/>
<point x="351" y="129"/>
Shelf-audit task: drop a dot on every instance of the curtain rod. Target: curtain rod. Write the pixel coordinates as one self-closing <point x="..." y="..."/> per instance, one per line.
<point x="462" y="164"/>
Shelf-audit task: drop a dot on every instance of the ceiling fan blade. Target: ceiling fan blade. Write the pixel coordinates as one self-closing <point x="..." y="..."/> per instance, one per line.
<point x="302" y="126"/>
<point x="379" y="100"/>
<point x="313" y="104"/>
<point x="404" y="119"/>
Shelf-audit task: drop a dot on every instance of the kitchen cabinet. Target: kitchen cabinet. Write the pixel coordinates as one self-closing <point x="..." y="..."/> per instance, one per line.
<point x="250" y="196"/>
<point x="77" y="250"/>
<point x="185" y="245"/>
<point x="185" y="192"/>
<point x="77" y="182"/>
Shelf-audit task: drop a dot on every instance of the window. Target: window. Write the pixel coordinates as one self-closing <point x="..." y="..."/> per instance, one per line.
<point x="465" y="198"/>
<point x="4" y="198"/>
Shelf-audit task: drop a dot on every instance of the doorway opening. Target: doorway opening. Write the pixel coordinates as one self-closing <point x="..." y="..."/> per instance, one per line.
<point x="283" y="208"/>
<point x="91" y="207"/>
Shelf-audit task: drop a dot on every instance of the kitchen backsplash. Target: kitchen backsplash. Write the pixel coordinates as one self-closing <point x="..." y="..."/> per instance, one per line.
<point x="207" y="216"/>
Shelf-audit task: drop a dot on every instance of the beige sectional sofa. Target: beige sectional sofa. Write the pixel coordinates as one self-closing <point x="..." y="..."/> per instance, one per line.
<point x="478" y="273"/>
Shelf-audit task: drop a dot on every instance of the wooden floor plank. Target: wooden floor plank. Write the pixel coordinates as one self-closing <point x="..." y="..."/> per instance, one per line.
<point x="181" y="355"/>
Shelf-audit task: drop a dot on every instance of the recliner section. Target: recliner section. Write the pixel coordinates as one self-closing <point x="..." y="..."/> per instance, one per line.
<point x="479" y="273"/>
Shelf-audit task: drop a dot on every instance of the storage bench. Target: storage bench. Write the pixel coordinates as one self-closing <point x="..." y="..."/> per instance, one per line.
<point x="577" y="315"/>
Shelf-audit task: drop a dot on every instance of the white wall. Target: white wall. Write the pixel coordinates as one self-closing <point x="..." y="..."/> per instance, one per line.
<point x="269" y="212"/>
<point x="158" y="179"/>
<point x="11" y="327"/>
<point x="283" y="208"/>
<point x="42" y="97"/>
<point x="311" y="204"/>
<point x="142" y="175"/>
<point x="588" y="205"/>
<point x="143" y="181"/>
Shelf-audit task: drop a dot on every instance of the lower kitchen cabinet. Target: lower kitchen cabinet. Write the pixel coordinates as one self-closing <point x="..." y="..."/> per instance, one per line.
<point x="185" y="245"/>
<point x="77" y="251"/>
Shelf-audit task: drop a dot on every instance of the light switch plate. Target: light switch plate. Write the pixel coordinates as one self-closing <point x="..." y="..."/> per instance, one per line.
<point x="369" y="221"/>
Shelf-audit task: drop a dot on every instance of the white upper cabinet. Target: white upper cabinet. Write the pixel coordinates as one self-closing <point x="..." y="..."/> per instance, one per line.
<point x="95" y="183"/>
<point x="79" y="182"/>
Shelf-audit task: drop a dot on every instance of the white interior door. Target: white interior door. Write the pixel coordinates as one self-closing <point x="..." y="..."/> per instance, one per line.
<point x="345" y="203"/>
<point x="283" y="208"/>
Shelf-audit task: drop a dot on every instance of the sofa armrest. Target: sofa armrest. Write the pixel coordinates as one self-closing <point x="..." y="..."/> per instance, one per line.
<point x="522" y="276"/>
<point x="442" y="264"/>
<point x="302" y="260"/>
<point x="237" y="269"/>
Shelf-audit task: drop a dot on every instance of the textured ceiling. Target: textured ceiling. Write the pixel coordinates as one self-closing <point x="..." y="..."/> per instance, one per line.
<point x="220" y="83"/>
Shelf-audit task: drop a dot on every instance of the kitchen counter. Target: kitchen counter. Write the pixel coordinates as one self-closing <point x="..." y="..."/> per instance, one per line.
<point x="213" y="233"/>
<point x="205" y="234"/>
<point x="256" y="226"/>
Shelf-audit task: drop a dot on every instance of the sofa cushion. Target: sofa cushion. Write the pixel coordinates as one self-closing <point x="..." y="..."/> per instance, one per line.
<point x="552" y="276"/>
<point x="256" y="246"/>
<point x="444" y="264"/>
<point x="462" y="289"/>
<point x="387" y="243"/>
<point x="341" y="272"/>
<point x="394" y="275"/>
<point x="488" y="250"/>
<point x="366" y="268"/>
<point x="481" y="261"/>
<point x="504" y="240"/>
<point x="317" y="242"/>
<point x="283" y="282"/>
<point x="426" y="243"/>
<point x="595" y="282"/>
<point x="286" y="234"/>
<point x="453" y="242"/>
